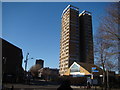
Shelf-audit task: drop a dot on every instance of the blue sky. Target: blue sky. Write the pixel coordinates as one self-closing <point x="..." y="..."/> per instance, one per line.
<point x="35" y="27"/>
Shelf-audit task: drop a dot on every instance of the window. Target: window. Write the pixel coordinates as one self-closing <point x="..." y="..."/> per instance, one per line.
<point x="75" y="68"/>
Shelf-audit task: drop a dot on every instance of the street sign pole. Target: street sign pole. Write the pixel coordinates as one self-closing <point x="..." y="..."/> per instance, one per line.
<point x="93" y="69"/>
<point x="26" y="61"/>
<point x="92" y="79"/>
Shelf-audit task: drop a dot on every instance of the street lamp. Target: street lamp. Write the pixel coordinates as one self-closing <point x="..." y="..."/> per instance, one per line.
<point x="26" y="61"/>
<point x="4" y="64"/>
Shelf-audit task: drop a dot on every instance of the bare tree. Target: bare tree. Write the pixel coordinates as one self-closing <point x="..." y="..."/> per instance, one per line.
<point x="104" y="49"/>
<point x="104" y="56"/>
<point x="110" y="22"/>
<point x="109" y="25"/>
<point x="110" y="33"/>
<point x="34" y="70"/>
<point x="107" y="39"/>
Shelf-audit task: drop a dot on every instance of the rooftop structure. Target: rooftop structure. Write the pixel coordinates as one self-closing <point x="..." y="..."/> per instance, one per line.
<point x="68" y="7"/>
<point x="85" y="12"/>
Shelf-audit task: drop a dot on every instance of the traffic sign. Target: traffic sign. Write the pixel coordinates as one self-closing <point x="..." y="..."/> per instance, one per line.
<point x="95" y="71"/>
<point x="93" y="68"/>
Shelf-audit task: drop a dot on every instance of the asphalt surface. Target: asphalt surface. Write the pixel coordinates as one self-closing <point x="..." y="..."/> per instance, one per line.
<point x="45" y="87"/>
<point x="37" y="87"/>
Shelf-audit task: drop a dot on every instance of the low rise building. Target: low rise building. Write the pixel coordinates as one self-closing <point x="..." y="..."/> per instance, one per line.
<point x="91" y="72"/>
<point x="83" y="69"/>
<point x="48" y="73"/>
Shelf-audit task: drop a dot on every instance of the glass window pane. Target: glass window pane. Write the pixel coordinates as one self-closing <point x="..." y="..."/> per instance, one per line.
<point x="75" y="68"/>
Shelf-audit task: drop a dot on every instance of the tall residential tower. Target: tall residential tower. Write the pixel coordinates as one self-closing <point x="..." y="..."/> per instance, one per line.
<point x="76" y="42"/>
<point x="86" y="37"/>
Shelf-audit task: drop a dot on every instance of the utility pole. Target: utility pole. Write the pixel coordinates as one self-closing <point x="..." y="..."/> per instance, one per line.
<point x="107" y="79"/>
<point x="26" y="61"/>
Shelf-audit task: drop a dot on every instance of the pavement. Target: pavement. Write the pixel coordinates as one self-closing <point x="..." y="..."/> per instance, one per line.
<point x="30" y="87"/>
<point x="44" y="87"/>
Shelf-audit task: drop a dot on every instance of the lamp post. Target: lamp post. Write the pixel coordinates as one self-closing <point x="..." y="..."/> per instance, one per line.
<point x="4" y="64"/>
<point x="26" y="61"/>
<point x="107" y="79"/>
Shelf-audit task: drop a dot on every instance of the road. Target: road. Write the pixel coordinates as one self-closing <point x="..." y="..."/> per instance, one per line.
<point x="45" y="87"/>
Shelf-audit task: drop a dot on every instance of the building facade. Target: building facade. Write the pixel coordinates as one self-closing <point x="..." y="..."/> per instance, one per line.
<point x="86" y="37"/>
<point x="11" y="62"/>
<point x="40" y="62"/>
<point x="69" y="42"/>
<point x="83" y="69"/>
<point x="73" y="44"/>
